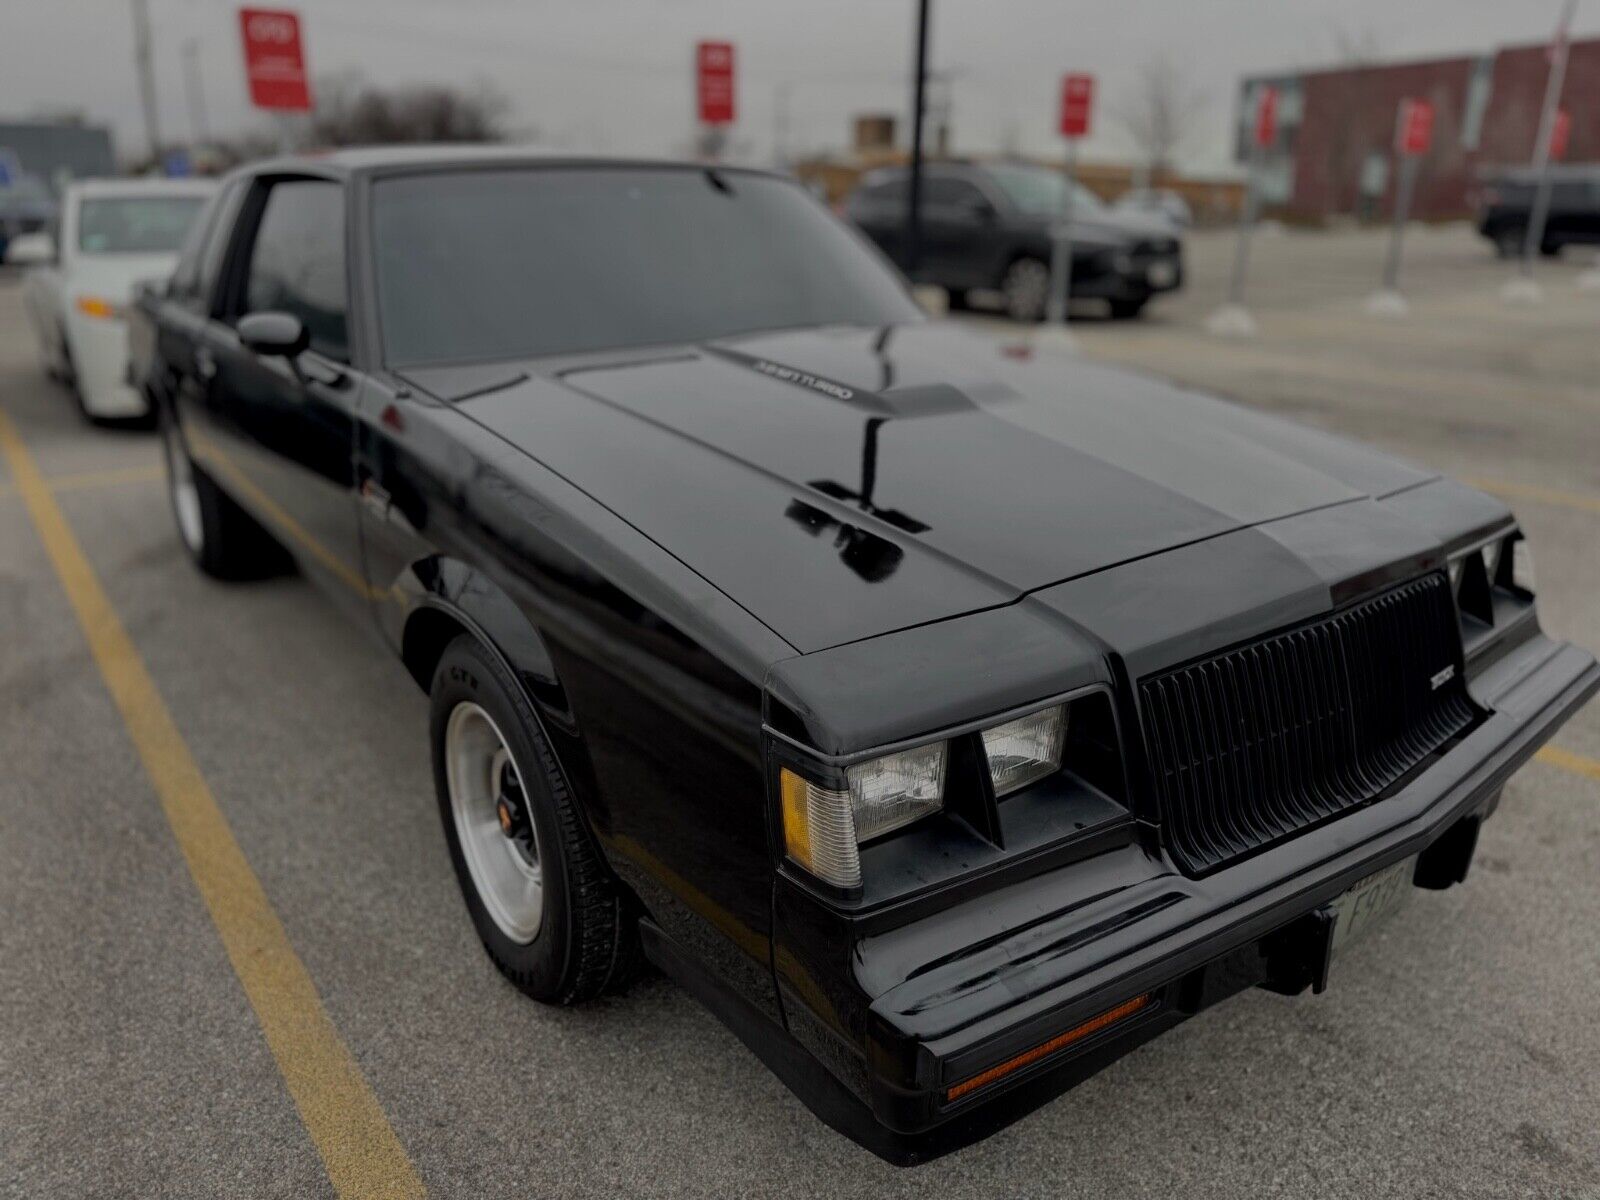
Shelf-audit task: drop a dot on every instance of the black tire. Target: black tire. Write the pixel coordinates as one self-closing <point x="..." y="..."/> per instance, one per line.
<point x="1026" y="288"/>
<point x="587" y="939"/>
<point x="1508" y="241"/>
<point x="225" y="542"/>
<point x="1127" y="310"/>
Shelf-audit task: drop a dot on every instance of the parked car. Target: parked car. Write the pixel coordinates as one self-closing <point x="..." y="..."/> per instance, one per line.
<point x="1505" y="206"/>
<point x="1157" y="202"/>
<point x="948" y="723"/>
<point x="26" y="206"/>
<point x="112" y="234"/>
<point x="989" y="227"/>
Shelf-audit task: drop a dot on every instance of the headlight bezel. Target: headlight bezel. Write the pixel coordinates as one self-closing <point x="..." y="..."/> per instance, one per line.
<point x="1488" y="588"/>
<point x="968" y="805"/>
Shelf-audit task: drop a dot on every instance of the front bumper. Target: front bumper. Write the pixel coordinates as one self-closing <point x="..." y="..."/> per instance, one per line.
<point x="99" y="347"/>
<point x="946" y="997"/>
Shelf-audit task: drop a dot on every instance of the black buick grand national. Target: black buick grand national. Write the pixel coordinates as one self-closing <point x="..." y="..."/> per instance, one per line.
<point x="949" y="723"/>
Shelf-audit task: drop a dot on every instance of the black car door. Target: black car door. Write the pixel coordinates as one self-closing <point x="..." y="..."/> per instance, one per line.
<point x="958" y="231"/>
<point x="279" y="434"/>
<point x="879" y="210"/>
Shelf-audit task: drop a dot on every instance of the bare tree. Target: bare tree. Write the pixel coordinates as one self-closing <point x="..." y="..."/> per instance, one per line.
<point x="350" y="112"/>
<point x="1159" y="110"/>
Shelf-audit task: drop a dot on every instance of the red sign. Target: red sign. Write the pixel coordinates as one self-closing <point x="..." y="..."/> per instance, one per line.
<point x="1077" y="104"/>
<point x="1413" y="131"/>
<point x="713" y="63"/>
<point x="1267" y="118"/>
<point x="274" y="62"/>
<point x="1560" y="132"/>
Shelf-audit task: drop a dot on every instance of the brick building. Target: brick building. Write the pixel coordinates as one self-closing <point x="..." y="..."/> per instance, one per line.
<point x="1336" y="128"/>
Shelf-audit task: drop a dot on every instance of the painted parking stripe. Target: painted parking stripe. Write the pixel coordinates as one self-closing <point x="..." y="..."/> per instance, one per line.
<point x="76" y="481"/>
<point x="359" y="1149"/>
<point x="1539" y="495"/>
<point x="1579" y="764"/>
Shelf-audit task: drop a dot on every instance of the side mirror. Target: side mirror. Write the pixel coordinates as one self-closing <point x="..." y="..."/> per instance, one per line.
<point x="275" y="334"/>
<point x="31" y="250"/>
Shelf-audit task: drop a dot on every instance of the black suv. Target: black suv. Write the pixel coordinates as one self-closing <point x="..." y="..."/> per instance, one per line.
<point x="988" y="226"/>
<point x="1506" y="204"/>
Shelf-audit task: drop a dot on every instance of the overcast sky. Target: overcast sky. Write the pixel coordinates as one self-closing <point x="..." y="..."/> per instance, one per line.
<point x="614" y="75"/>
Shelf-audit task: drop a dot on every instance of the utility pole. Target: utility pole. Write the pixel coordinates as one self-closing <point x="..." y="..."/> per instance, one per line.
<point x="918" y="104"/>
<point x="147" y="78"/>
<point x="780" y="123"/>
<point x="194" y="88"/>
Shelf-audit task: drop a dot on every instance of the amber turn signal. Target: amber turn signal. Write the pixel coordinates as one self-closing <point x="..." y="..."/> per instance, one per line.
<point x="1076" y="1034"/>
<point x="95" y="306"/>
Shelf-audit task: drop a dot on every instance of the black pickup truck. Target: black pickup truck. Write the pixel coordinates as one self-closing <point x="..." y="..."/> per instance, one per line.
<point x="948" y="722"/>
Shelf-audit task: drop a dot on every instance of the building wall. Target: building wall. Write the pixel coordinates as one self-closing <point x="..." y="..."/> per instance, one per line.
<point x="1343" y="132"/>
<point x="53" y="152"/>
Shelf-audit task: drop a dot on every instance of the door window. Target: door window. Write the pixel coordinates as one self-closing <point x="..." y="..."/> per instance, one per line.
<point x="297" y="261"/>
<point x="950" y="193"/>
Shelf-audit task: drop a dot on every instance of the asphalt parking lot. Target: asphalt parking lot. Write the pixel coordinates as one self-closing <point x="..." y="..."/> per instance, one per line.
<point x="1456" y="1054"/>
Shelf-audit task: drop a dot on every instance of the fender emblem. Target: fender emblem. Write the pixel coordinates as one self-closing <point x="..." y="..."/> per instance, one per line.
<point x="1443" y="677"/>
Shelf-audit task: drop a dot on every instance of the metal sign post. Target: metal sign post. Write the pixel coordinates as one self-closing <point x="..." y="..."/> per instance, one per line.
<point x="1233" y="319"/>
<point x="1548" y="118"/>
<point x="1077" y="105"/>
<point x="1413" y="132"/>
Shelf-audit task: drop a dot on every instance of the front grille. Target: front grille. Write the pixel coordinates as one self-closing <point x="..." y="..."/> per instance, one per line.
<point x="1264" y="741"/>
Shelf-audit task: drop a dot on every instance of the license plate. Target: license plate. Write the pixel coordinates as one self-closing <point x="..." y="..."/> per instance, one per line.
<point x="1371" y="901"/>
<point x="1161" y="274"/>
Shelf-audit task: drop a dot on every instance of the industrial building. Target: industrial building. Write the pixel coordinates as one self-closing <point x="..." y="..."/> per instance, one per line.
<point x="1334" y="146"/>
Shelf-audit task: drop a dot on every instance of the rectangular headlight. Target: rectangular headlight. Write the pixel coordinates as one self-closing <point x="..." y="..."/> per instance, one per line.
<point x="1522" y="565"/>
<point x="1025" y="750"/>
<point x="896" y="789"/>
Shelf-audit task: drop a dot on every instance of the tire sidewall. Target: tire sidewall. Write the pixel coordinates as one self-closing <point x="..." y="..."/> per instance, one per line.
<point x="466" y="672"/>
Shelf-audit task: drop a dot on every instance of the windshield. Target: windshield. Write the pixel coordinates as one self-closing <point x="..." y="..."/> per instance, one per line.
<point x="1042" y="191"/>
<point x="488" y="264"/>
<point x="135" y="224"/>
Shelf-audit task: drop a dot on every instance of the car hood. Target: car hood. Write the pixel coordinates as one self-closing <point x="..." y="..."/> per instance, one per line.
<point x="842" y="483"/>
<point x="113" y="276"/>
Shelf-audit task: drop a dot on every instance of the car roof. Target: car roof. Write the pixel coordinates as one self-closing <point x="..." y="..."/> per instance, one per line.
<point x="351" y="160"/>
<point x="141" y="186"/>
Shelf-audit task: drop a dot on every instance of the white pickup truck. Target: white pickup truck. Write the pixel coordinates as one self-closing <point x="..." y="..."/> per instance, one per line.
<point x="111" y="235"/>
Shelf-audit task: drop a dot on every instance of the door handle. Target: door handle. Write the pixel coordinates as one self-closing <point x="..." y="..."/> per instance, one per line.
<point x="205" y="365"/>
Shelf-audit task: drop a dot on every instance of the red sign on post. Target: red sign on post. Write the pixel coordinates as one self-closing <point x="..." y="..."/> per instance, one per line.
<point x="714" y="82"/>
<point x="1267" y="118"/>
<point x="274" y="61"/>
<point x="1077" y="105"/>
<point x="1413" y="132"/>
<point x="1560" y="133"/>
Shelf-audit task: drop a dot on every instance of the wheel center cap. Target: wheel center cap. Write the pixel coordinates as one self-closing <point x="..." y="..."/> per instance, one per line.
<point x="506" y="811"/>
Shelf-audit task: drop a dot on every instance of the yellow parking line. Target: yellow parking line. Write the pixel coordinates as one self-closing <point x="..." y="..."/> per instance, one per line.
<point x="83" y="480"/>
<point x="359" y="1149"/>
<point x="114" y="477"/>
<point x="1568" y="761"/>
<point x="1540" y="495"/>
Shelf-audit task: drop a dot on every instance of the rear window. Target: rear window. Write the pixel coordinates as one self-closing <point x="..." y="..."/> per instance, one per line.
<point x="489" y="264"/>
<point x="135" y="224"/>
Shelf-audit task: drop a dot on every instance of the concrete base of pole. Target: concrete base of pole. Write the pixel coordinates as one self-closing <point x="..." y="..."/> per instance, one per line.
<point x="1231" y="320"/>
<point x="1386" y="302"/>
<point x="1055" y="338"/>
<point x="1522" y="290"/>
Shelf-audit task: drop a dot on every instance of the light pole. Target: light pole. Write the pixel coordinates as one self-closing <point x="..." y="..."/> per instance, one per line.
<point x="914" y="192"/>
<point x="147" y="79"/>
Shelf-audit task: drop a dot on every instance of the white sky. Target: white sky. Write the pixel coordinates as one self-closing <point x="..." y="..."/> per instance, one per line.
<point x="614" y="75"/>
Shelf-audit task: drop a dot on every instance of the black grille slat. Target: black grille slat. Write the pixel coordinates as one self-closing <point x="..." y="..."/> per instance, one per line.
<point x="1256" y="744"/>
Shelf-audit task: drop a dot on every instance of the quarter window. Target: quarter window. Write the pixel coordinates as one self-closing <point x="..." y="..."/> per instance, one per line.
<point x="297" y="261"/>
